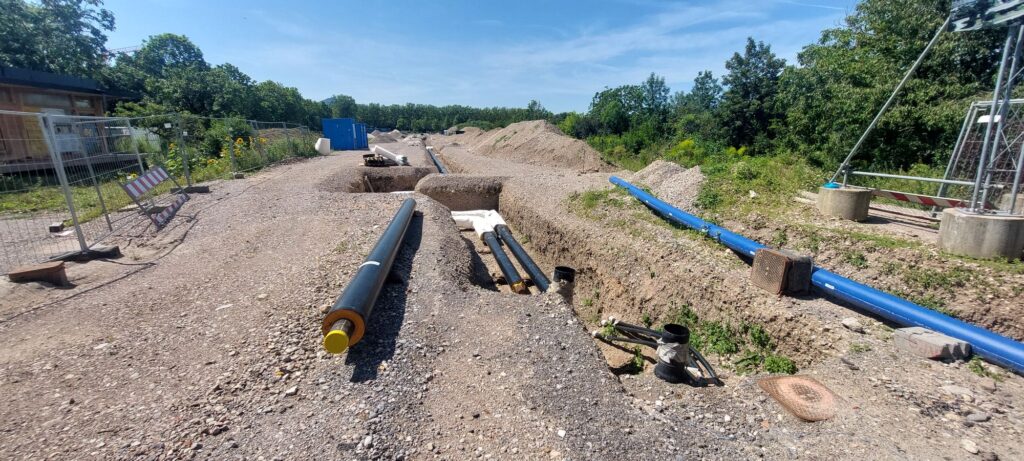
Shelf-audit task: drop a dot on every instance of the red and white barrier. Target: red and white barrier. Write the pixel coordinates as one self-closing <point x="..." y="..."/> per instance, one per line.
<point x="168" y="213"/>
<point x="139" y="186"/>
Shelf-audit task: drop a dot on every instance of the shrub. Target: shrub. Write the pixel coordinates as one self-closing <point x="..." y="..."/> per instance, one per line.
<point x="221" y="133"/>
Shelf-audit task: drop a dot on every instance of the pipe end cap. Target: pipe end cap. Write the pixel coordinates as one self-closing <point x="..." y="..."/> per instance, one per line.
<point x="336" y="341"/>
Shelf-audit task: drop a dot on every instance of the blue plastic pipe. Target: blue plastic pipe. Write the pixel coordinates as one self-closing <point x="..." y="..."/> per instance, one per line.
<point x="994" y="347"/>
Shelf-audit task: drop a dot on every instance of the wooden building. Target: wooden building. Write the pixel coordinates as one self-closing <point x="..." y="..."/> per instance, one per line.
<point x="22" y="146"/>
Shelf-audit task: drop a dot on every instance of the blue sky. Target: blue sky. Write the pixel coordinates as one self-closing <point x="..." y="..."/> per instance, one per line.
<point x="483" y="53"/>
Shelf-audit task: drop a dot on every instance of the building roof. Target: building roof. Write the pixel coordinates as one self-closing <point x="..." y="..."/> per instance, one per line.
<point x="47" y="80"/>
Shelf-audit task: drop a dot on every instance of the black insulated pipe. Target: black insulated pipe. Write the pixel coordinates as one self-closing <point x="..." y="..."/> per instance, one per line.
<point x="512" y="277"/>
<point x="539" y="279"/>
<point x="437" y="163"/>
<point x="345" y="322"/>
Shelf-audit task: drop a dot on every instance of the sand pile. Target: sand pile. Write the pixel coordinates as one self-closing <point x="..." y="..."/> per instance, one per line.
<point x="535" y="142"/>
<point x="670" y="182"/>
<point x="381" y="138"/>
<point x="396" y="134"/>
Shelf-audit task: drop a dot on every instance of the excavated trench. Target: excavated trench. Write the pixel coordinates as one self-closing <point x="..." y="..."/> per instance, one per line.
<point x="618" y="273"/>
<point x="634" y="269"/>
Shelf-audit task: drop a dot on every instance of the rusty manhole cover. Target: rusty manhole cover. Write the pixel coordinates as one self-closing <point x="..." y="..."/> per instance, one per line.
<point x="802" y="396"/>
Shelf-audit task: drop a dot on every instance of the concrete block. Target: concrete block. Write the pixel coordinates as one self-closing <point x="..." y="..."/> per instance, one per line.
<point x="931" y="345"/>
<point x="1004" y="203"/>
<point x="50" y="272"/>
<point x="323" y="146"/>
<point x="192" y="190"/>
<point x="781" y="271"/>
<point x="104" y="251"/>
<point x="798" y="279"/>
<point x="847" y="202"/>
<point x="981" y="235"/>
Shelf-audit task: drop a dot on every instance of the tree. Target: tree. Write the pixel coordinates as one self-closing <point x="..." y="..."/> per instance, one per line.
<point x="233" y="93"/>
<point x="342" y="106"/>
<point x="59" y="36"/>
<point x="609" y="109"/>
<point x="163" y="53"/>
<point x="535" y="111"/>
<point x="655" y="100"/>
<point x="748" y="105"/>
<point x="704" y="96"/>
<point x="695" y="110"/>
<point x="846" y="76"/>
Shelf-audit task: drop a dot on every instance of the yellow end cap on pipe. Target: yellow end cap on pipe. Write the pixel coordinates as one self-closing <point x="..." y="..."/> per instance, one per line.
<point x="336" y="341"/>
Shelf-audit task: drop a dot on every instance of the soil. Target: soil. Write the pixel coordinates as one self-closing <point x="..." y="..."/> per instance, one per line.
<point x="205" y="344"/>
<point x="535" y="142"/>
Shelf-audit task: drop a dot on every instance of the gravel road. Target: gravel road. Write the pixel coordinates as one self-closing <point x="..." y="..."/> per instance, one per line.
<point x="203" y="342"/>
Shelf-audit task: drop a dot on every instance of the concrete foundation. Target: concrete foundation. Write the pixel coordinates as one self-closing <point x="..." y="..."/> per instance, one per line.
<point x="847" y="202"/>
<point x="931" y="345"/>
<point x="1004" y="203"/>
<point x="49" y="272"/>
<point x="981" y="235"/>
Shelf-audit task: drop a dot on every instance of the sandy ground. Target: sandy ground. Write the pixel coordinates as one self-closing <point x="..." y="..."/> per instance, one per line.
<point x="632" y="265"/>
<point x="203" y="342"/>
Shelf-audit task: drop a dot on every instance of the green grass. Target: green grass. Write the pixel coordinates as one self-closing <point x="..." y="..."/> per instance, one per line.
<point x="591" y="200"/>
<point x="638" y="361"/>
<point x="85" y="199"/>
<point x="732" y="175"/>
<point x="779" y="364"/>
<point x="46" y="198"/>
<point x="978" y="367"/>
<point x="855" y="259"/>
<point x="751" y="341"/>
<point x="857" y="348"/>
<point x="929" y="279"/>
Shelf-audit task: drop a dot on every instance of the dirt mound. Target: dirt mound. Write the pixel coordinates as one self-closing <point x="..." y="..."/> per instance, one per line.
<point x="381" y="138"/>
<point x="396" y="134"/>
<point x="471" y="131"/>
<point x="672" y="183"/>
<point x="536" y="142"/>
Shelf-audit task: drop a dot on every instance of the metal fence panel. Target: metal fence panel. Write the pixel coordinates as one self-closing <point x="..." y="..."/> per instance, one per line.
<point x="31" y="197"/>
<point x="69" y="170"/>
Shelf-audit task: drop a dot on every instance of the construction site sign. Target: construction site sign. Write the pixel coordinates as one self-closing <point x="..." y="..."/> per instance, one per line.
<point x="985" y="14"/>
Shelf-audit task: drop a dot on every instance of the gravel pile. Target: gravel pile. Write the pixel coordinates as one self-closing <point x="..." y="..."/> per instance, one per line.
<point x="671" y="182"/>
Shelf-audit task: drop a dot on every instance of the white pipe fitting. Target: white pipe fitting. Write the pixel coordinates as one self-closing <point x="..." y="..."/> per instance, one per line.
<point x="481" y="221"/>
<point x="399" y="159"/>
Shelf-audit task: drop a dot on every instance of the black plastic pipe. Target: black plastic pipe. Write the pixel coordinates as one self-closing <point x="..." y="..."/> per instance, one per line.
<point x="539" y="279"/>
<point x="345" y="323"/>
<point x="437" y="163"/>
<point x="512" y="277"/>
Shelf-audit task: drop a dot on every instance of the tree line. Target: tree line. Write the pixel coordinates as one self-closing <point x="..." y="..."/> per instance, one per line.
<point x="815" y="108"/>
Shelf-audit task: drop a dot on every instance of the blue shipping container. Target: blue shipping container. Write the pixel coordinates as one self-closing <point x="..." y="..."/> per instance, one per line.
<point x="341" y="132"/>
<point x="361" y="141"/>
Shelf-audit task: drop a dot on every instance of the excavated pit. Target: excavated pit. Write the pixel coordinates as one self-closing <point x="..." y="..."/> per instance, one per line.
<point x="464" y="192"/>
<point x="382" y="179"/>
<point x="631" y="265"/>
